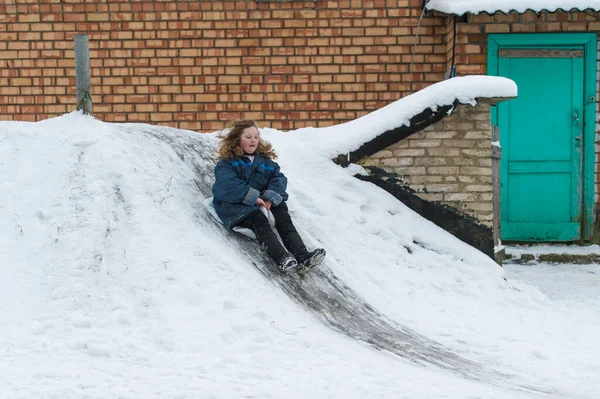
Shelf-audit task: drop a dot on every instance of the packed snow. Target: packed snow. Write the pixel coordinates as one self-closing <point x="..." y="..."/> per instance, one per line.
<point x="116" y="282"/>
<point x="571" y="284"/>
<point x="460" y="7"/>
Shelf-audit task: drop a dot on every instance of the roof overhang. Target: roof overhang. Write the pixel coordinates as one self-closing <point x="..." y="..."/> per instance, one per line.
<point x="460" y="7"/>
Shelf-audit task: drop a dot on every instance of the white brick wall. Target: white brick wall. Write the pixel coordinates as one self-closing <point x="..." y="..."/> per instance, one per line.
<point x="448" y="162"/>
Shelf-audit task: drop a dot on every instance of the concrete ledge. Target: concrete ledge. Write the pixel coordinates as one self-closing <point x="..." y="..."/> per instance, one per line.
<point x="576" y="259"/>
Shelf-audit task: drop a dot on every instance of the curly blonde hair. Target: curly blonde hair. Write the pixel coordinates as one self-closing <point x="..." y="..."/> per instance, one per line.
<point x="230" y="143"/>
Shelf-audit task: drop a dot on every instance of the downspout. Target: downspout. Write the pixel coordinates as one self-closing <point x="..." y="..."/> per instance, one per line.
<point x="452" y="71"/>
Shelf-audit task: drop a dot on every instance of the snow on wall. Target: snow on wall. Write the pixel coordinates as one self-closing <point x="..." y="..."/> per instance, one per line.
<point x="491" y="6"/>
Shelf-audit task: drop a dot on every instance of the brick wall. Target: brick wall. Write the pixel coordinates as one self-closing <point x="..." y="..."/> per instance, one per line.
<point x="195" y="64"/>
<point x="448" y="162"/>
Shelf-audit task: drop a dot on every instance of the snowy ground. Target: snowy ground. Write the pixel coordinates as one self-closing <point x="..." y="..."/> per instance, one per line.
<point x="576" y="285"/>
<point x="116" y="282"/>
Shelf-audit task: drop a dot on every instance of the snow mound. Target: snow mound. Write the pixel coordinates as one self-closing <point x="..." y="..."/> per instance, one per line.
<point x="114" y="276"/>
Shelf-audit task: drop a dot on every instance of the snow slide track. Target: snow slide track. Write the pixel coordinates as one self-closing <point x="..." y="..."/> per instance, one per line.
<point x="338" y="306"/>
<point x="328" y="298"/>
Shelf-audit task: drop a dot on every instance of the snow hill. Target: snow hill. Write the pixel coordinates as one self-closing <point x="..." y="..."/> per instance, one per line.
<point x="116" y="282"/>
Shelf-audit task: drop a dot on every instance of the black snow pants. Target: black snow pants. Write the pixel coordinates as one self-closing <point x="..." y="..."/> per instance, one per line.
<point x="259" y="224"/>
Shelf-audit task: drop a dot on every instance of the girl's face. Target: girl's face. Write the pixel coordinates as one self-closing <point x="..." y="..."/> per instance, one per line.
<point x="249" y="140"/>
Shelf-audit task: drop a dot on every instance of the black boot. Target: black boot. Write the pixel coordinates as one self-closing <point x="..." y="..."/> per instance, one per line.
<point x="306" y="259"/>
<point x="311" y="259"/>
<point x="288" y="264"/>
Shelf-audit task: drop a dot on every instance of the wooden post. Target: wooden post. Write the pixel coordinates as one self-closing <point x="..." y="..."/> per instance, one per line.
<point x="82" y="74"/>
<point x="496" y="156"/>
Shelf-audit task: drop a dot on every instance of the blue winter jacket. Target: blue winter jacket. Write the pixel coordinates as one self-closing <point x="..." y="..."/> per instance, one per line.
<point x="240" y="182"/>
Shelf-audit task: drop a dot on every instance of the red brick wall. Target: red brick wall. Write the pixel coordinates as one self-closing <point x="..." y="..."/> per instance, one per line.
<point x="196" y="64"/>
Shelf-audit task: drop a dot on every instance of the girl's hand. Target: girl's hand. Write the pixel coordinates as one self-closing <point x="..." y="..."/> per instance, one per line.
<point x="260" y="202"/>
<point x="267" y="205"/>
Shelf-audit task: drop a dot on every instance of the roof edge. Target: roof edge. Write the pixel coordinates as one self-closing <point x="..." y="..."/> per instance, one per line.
<point x="487" y="12"/>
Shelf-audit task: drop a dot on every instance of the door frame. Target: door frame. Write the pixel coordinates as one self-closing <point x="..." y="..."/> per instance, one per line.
<point x="589" y="43"/>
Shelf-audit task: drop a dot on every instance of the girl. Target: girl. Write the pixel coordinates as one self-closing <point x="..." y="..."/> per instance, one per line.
<point x="246" y="178"/>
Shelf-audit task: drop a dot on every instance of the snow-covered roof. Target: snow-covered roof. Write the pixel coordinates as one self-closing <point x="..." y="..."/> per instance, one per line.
<point x="461" y="7"/>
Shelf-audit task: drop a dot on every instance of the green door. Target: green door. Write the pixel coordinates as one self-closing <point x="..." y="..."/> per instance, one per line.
<point x="541" y="134"/>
